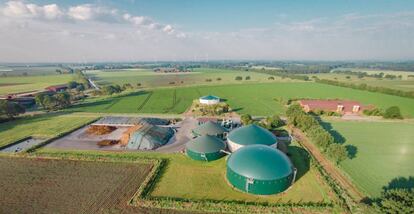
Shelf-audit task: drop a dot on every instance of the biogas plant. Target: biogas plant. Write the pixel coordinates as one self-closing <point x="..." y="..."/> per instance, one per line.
<point x="254" y="164"/>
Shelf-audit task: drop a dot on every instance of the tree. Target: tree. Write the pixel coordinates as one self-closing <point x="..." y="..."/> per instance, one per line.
<point x="11" y="109"/>
<point x="238" y="78"/>
<point x="337" y="152"/>
<point x="396" y="201"/>
<point x="247" y="78"/>
<point x="393" y="112"/>
<point x="274" y="121"/>
<point x="62" y="99"/>
<point x="39" y="98"/>
<point x="72" y="84"/>
<point x="246" y="119"/>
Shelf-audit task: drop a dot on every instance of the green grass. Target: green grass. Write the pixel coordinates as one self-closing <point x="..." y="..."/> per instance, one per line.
<point x="44" y="126"/>
<point x="148" y="78"/>
<point x="31" y="83"/>
<point x="186" y="178"/>
<point x="255" y="99"/>
<point x="406" y="84"/>
<point x="385" y="150"/>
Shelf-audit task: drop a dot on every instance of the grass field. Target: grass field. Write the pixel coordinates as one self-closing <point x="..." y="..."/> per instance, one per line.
<point x="256" y="99"/>
<point x="148" y="78"/>
<point x="186" y="178"/>
<point x="44" y="126"/>
<point x="66" y="186"/>
<point x="10" y="85"/>
<point x="404" y="84"/>
<point x="384" y="151"/>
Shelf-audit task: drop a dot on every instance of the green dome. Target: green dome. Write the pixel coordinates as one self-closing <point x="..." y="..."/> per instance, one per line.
<point x="209" y="97"/>
<point x="206" y="144"/>
<point x="260" y="162"/>
<point x="209" y="128"/>
<point x="252" y="134"/>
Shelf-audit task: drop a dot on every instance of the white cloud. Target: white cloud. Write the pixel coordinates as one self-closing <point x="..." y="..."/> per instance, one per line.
<point x="81" y="12"/>
<point x="18" y="9"/>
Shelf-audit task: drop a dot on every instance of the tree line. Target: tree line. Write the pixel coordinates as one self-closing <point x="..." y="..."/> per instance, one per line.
<point x="366" y="87"/>
<point x="318" y="135"/>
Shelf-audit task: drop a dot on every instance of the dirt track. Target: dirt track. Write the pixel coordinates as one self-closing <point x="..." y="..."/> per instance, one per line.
<point x="329" y="167"/>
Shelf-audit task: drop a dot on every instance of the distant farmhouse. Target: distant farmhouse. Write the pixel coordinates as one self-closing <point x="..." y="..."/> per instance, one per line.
<point x="57" y="88"/>
<point x="339" y="106"/>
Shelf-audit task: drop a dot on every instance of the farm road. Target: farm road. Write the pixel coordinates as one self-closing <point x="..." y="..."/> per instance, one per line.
<point x="328" y="165"/>
<point x="183" y="135"/>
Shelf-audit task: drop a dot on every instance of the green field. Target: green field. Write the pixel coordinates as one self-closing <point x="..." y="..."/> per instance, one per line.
<point x="190" y="179"/>
<point x="148" y="78"/>
<point x="384" y="151"/>
<point x="256" y="99"/>
<point x="31" y="83"/>
<point x="404" y="84"/>
<point x="43" y="126"/>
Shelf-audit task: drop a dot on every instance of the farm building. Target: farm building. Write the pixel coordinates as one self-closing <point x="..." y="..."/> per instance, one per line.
<point x="205" y="148"/>
<point x="209" y="100"/>
<point x="260" y="169"/>
<point x="149" y="137"/>
<point x="249" y="135"/>
<point x="210" y="128"/>
<point x="57" y="88"/>
<point x="339" y="106"/>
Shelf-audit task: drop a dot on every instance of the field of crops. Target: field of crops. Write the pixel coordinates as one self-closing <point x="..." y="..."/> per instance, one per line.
<point x="256" y="99"/>
<point x="148" y="78"/>
<point x="186" y="178"/>
<point x="404" y="84"/>
<point x="31" y="83"/>
<point x="383" y="151"/>
<point x="67" y="186"/>
<point x="44" y="126"/>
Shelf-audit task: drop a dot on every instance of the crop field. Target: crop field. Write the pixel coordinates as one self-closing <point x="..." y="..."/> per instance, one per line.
<point x="381" y="151"/>
<point x="190" y="179"/>
<point x="406" y="84"/>
<point x="30" y="70"/>
<point x="148" y="78"/>
<point x="255" y="99"/>
<point x="39" y="185"/>
<point x="42" y="126"/>
<point x="14" y="84"/>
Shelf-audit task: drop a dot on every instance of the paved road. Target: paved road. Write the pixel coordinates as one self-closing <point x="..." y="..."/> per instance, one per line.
<point x="183" y="135"/>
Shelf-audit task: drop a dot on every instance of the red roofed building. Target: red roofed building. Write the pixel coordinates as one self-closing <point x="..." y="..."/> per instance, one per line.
<point x="339" y="106"/>
<point x="57" y="88"/>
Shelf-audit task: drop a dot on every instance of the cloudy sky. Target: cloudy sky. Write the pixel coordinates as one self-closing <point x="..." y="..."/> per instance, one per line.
<point x="134" y="30"/>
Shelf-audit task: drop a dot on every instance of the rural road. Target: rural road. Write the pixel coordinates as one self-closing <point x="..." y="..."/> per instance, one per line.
<point x="181" y="137"/>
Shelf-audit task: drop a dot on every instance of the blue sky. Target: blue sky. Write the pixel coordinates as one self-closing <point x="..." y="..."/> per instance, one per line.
<point x="129" y="30"/>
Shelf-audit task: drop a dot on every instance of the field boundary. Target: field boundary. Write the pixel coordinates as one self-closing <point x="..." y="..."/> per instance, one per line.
<point x="337" y="181"/>
<point x="145" y="101"/>
<point x="143" y="198"/>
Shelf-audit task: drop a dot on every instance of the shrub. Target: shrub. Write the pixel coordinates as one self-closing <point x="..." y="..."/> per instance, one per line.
<point x="396" y="201"/>
<point x="247" y="78"/>
<point x="238" y="78"/>
<point x="271" y="78"/>
<point x="246" y="119"/>
<point x="373" y="112"/>
<point x="337" y="152"/>
<point x="393" y="112"/>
